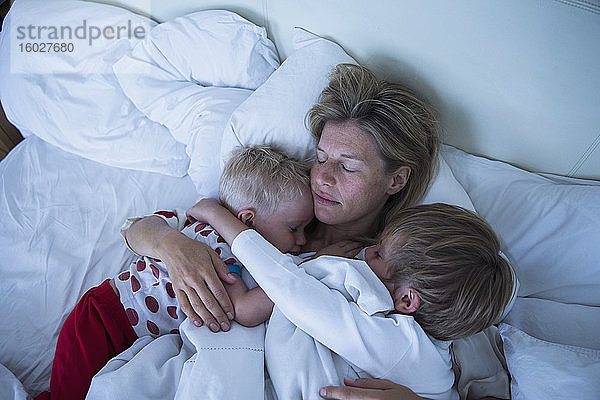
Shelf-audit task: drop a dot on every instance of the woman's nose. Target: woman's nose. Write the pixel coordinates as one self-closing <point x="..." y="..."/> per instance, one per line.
<point x="324" y="174"/>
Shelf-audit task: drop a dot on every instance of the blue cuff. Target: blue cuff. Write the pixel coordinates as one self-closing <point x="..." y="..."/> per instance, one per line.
<point x="235" y="269"/>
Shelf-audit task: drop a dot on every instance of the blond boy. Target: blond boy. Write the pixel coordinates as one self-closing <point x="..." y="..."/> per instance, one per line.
<point x="435" y="275"/>
<point x="265" y="189"/>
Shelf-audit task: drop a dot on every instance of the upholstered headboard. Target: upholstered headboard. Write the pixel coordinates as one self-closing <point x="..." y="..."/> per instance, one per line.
<point x="515" y="80"/>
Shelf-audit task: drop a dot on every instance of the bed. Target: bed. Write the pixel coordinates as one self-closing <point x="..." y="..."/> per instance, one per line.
<point x="140" y="112"/>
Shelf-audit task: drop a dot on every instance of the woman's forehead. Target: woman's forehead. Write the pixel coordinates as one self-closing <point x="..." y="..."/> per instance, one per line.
<point x="347" y="140"/>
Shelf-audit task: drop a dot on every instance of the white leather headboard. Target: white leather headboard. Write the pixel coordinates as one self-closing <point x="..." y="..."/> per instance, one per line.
<point x="515" y="80"/>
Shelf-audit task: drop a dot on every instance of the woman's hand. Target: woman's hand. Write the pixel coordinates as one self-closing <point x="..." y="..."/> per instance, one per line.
<point x="196" y="272"/>
<point x="194" y="269"/>
<point x="368" y="389"/>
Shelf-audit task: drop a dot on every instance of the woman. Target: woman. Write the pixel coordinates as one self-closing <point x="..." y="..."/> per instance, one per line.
<point x="377" y="142"/>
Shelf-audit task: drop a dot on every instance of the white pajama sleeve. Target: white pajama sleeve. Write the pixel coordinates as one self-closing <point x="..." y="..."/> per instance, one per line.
<point x="321" y="312"/>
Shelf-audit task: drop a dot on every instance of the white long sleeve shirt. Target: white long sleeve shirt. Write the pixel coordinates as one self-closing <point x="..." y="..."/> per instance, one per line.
<point x="331" y="320"/>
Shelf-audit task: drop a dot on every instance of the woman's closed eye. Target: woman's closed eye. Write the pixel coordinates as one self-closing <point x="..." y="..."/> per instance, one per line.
<point x="346" y="168"/>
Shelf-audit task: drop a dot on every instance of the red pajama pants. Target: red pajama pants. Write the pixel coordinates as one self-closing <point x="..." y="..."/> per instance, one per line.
<point x="96" y="330"/>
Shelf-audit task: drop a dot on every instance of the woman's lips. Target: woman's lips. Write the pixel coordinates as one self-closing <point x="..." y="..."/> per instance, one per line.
<point x="325" y="199"/>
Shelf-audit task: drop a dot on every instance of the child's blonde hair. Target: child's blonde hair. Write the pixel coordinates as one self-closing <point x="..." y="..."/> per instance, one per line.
<point x="450" y="256"/>
<point x="260" y="176"/>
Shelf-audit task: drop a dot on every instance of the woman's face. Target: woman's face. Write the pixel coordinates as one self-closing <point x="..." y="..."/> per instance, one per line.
<point x="348" y="181"/>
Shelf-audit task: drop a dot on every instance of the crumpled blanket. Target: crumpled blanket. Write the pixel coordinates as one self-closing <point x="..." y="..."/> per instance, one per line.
<point x="195" y="364"/>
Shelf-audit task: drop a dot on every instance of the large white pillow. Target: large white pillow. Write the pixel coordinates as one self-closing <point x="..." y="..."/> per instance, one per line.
<point x="191" y="74"/>
<point x="544" y="370"/>
<point x="70" y="97"/>
<point x="275" y="113"/>
<point x="550" y="226"/>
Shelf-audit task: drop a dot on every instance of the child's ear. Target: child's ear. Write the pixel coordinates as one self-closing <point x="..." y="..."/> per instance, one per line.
<point x="398" y="180"/>
<point x="407" y="300"/>
<point x="247" y="217"/>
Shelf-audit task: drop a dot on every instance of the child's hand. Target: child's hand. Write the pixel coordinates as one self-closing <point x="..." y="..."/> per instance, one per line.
<point x="202" y="209"/>
<point x="343" y="248"/>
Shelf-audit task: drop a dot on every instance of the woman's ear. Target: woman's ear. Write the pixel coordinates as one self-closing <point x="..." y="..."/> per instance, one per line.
<point x="399" y="179"/>
<point x="247" y="217"/>
<point x="407" y="300"/>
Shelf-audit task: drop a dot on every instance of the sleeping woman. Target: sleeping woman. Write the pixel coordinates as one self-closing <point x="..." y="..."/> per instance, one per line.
<point x="377" y="143"/>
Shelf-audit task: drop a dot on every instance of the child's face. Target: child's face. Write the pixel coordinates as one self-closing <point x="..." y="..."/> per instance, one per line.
<point x="375" y="256"/>
<point x="285" y="227"/>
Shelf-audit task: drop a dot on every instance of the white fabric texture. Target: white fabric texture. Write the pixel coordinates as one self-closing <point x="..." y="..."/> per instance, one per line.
<point x="72" y="99"/>
<point x="544" y="370"/>
<point x="60" y="220"/>
<point x="10" y="387"/>
<point x="191" y="74"/>
<point x="326" y="314"/>
<point x="153" y="374"/>
<point x="479" y="366"/>
<point x="225" y="365"/>
<point x="554" y="322"/>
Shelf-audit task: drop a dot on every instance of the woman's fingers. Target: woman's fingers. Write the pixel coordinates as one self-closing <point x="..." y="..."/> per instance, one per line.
<point x="199" y="290"/>
<point x="204" y="303"/>
<point x="186" y="307"/>
<point x="368" y="389"/>
<point x="351" y="393"/>
<point x="218" y="289"/>
<point x="368" y="383"/>
<point x="209" y="299"/>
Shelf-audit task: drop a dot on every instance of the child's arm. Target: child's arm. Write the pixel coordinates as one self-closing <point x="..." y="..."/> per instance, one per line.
<point x="212" y="212"/>
<point x="252" y="306"/>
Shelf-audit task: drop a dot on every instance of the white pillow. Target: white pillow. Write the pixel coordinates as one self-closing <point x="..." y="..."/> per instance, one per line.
<point x="71" y="98"/>
<point x="550" y="226"/>
<point x="444" y="188"/>
<point x="191" y="74"/>
<point x="276" y="111"/>
<point x="544" y="370"/>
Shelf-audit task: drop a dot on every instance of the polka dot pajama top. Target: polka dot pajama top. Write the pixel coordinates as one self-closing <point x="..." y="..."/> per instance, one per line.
<point x="145" y="289"/>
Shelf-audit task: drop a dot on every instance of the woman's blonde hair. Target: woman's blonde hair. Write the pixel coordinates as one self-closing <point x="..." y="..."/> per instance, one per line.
<point x="260" y="177"/>
<point x="403" y="126"/>
<point x="450" y="256"/>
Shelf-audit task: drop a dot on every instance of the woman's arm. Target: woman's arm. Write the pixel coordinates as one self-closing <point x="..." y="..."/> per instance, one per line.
<point x="194" y="269"/>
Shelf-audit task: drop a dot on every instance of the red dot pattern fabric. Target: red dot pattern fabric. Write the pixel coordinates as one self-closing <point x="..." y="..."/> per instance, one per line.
<point x="146" y="291"/>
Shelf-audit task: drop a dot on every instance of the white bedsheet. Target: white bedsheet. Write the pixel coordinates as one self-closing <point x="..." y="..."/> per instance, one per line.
<point x="60" y="217"/>
<point x="225" y="365"/>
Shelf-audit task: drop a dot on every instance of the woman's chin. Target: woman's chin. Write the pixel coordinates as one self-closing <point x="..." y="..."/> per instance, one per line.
<point x="328" y="216"/>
